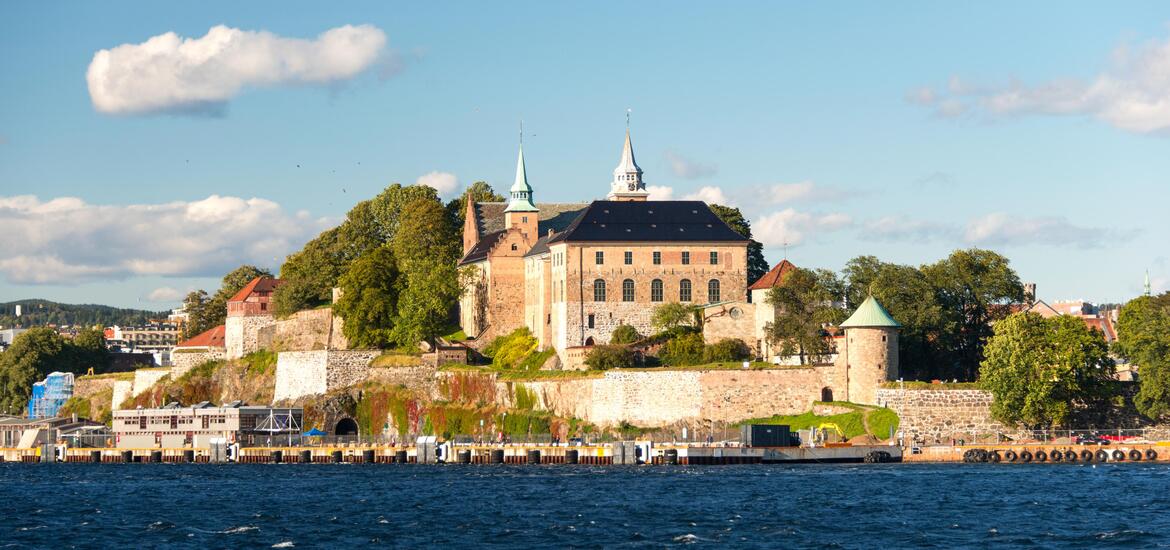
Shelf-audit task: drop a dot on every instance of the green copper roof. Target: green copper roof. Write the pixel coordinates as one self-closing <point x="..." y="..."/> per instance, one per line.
<point x="521" y="192"/>
<point x="870" y="314"/>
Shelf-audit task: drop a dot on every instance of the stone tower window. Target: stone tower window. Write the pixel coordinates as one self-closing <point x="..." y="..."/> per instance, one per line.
<point x="628" y="258"/>
<point x="713" y="291"/>
<point x="657" y="258"/>
<point x="714" y="258"/>
<point x="684" y="289"/>
<point x="656" y="290"/>
<point x="686" y="258"/>
<point x="599" y="256"/>
<point x="514" y="247"/>
<point x="628" y="290"/>
<point x="599" y="290"/>
<point x="883" y="337"/>
<point x="590" y="323"/>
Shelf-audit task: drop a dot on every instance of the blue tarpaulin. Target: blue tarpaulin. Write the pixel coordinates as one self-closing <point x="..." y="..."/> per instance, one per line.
<point x="314" y="433"/>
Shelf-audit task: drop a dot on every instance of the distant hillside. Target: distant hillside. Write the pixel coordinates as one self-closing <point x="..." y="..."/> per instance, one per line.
<point x="43" y="312"/>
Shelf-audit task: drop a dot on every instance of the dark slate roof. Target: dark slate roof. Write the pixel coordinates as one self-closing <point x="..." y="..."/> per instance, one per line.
<point x="541" y="246"/>
<point x="480" y="251"/>
<point x="555" y="216"/>
<point x="651" y="221"/>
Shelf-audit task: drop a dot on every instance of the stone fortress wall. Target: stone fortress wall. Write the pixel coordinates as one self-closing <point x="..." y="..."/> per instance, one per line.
<point x="301" y="373"/>
<point x="242" y="333"/>
<point x="938" y="415"/>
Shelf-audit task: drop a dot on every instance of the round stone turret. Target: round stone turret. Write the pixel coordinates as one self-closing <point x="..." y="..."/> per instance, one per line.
<point x="870" y="353"/>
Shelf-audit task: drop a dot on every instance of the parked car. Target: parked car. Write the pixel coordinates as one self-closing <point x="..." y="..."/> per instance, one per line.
<point x="1091" y="439"/>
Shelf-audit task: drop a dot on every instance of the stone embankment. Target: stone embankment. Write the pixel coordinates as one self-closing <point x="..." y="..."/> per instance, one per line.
<point x="934" y="416"/>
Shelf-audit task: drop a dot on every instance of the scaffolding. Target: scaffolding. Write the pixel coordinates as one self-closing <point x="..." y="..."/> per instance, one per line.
<point x="50" y="394"/>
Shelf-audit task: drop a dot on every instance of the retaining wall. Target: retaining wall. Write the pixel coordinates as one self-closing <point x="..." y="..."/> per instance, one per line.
<point x="933" y="416"/>
<point x="301" y="373"/>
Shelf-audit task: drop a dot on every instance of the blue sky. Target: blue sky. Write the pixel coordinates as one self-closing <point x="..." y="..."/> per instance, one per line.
<point x="1040" y="130"/>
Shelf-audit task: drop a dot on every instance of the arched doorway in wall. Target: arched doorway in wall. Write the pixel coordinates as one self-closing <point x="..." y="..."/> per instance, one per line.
<point x="346" y="426"/>
<point x="589" y="341"/>
<point x="827" y="394"/>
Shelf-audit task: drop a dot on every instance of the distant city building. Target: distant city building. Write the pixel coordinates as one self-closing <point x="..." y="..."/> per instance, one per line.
<point x="174" y="426"/>
<point x="24" y="433"/>
<point x="157" y="339"/>
<point x="8" y="335"/>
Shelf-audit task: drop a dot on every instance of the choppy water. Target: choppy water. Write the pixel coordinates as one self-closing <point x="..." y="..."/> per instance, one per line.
<point x="863" y="506"/>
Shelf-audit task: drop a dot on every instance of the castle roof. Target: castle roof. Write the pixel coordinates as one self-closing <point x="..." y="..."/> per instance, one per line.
<point x="479" y="252"/>
<point x="651" y="221"/>
<point x="773" y="277"/>
<point x="259" y="284"/>
<point x="212" y="338"/>
<point x="870" y="314"/>
<point x="489" y="216"/>
<point x="540" y="247"/>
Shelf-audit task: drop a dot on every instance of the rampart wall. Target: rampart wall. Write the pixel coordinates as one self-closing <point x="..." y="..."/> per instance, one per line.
<point x="938" y="415"/>
<point x="300" y="373"/>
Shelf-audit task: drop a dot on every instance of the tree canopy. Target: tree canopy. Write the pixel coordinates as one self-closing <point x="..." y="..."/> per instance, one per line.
<point x="39" y="351"/>
<point x="1143" y="339"/>
<point x="426" y="256"/>
<point x="369" y="299"/>
<point x="804" y="303"/>
<point x="1041" y="370"/>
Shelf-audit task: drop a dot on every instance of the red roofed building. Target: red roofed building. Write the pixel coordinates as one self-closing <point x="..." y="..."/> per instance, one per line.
<point x="212" y="338"/>
<point x="249" y="312"/>
<point x="201" y="348"/>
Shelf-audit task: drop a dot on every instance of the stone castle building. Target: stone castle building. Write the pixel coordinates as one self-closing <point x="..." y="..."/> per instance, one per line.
<point x="248" y="312"/>
<point x="571" y="273"/>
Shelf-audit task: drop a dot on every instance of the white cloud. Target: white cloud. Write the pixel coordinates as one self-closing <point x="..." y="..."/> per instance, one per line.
<point x="66" y="241"/>
<point x="165" y="294"/>
<point x="169" y="73"/>
<point x="1132" y="94"/>
<point x="660" y="192"/>
<point x="1003" y="229"/>
<point x="688" y="169"/>
<point x="709" y="194"/>
<point x="443" y="182"/>
<point x="903" y="229"/>
<point x="790" y="227"/>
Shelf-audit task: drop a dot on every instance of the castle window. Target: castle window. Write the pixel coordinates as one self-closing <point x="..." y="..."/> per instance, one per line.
<point x="590" y="320"/>
<point x="600" y="257"/>
<point x="656" y="290"/>
<point x="684" y="290"/>
<point x="713" y="291"/>
<point x="628" y="290"/>
<point x="883" y="337"/>
<point x="657" y="258"/>
<point x="714" y="258"/>
<point x="629" y="258"/>
<point x="599" y="290"/>
<point x="686" y="258"/>
<point x="514" y="247"/>
<point x="523" y="219"/>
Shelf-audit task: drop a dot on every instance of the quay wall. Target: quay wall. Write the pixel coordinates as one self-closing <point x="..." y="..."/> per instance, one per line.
<point x="934" y="416"/>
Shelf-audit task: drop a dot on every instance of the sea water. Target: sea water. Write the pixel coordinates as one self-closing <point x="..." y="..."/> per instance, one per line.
<point x="797" y="506"/>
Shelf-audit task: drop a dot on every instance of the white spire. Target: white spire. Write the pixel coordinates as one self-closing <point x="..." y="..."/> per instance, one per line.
<point x="627" y="177"/>
<point x="521" y="192"/>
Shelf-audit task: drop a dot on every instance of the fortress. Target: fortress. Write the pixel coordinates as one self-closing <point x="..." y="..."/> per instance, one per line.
<point x="571" y="273"/>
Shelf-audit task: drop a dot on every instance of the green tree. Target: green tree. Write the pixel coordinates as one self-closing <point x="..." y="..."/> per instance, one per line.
<point x="611" y="357"/>
<point x="426" y="257"/>
<point x="369" y="299"/>
<point x="624" y="334"/>
<point x="32" y="355"/>
<point x="671" y="315"/>
<point x="757" y="266"/>
<point x="804" y="304"/>
<point x="975" y="289"/>
<point x="1041" y="370"/>
<point x="89" y="349"/>
<point x="1143" y="339"/>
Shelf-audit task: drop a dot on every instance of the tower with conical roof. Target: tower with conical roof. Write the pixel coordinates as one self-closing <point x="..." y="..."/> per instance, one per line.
<point x="521" y="211"/>
<point x="627" y="184"/>
<point x="870" y="351"/>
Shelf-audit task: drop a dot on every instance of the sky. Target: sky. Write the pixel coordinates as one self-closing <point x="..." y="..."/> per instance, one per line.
<point x="146" y="149"/>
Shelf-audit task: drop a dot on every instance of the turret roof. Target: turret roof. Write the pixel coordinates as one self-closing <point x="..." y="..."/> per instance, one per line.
<point x="870" y="314"/>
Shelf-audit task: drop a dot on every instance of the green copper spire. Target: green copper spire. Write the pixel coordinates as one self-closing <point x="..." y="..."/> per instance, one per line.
<point x="521" y="192"/>
<point x="870" y="314"/>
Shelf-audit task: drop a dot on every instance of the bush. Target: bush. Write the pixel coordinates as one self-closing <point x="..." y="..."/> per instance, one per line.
<point x="673" y="314"/>
<point x="727" y="349"/>
<point x="624" y="334"/>
<point x="506" y="351"/>
<point x="610" y="357"/>
<point x="685" y="349"/>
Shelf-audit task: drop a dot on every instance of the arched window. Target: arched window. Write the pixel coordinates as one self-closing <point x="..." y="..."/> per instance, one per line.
<point x="713" y="291"/>
<point x="684" y="290"/>
<point x="827" y="394"/>
<point x="628" y="290"/>
<point x="656" y="290"/>
<point x="599" y="290"/>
